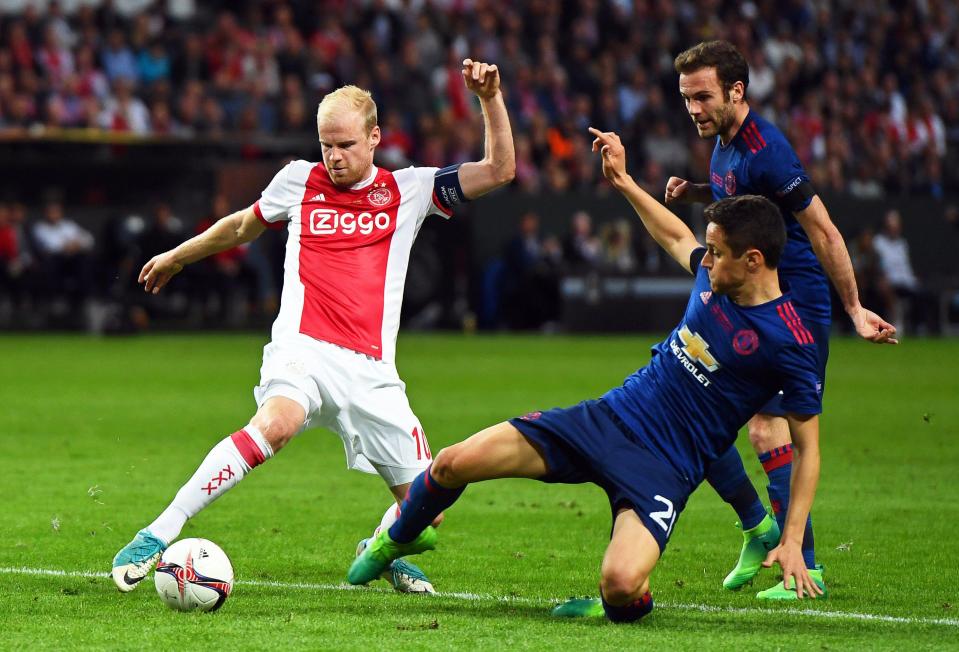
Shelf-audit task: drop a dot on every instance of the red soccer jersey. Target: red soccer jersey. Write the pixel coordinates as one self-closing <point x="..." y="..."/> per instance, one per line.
<point x="347" y="252"/>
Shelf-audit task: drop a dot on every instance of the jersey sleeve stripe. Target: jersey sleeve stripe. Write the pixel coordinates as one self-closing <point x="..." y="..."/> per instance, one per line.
<point x="448" y="212"/>
<point x="749" y="141"/>
<point x="757" y="134"/>
<point x="802" y="327"/>
<point x="791" y="324"/>
<point x="259" y="215"/>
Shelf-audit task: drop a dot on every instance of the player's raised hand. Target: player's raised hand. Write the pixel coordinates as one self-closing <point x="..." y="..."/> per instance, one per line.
<point x="790" y="559"/>
<point x="481" y="78"/>
<point x="872" y="327"/>
<point x="608" y="144"/>
<point x="158" y="271"/>
<point x="675" y="189"/>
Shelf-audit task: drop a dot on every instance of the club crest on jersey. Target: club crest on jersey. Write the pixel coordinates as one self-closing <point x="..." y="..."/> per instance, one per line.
<point x="729" y="183"/>
<point x="745" y="342"/>
<point x="379" y="195"/>
<point x="706" y="296"/>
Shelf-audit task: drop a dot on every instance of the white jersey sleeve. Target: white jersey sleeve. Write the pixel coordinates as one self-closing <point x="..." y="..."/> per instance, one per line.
<point x="284" y="192"/>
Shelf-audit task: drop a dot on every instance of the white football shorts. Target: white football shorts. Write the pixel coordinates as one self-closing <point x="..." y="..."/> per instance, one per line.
<point x="359" y="398"/>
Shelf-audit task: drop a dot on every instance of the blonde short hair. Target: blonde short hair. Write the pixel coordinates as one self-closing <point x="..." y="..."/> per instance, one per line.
<point x="350" y="98"/>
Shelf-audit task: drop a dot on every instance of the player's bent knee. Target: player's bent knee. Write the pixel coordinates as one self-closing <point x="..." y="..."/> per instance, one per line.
<point x="622" y="586"/>
<point x="443" y="468"/>
<point x="277" y="430"/>
<point x="767" y="432"/>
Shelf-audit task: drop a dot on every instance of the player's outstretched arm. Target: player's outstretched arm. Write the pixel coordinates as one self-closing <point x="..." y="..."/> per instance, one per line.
<point x="667" y="229"/>
<point x="831" y="250"/>
<point x="805" y="434"/>
<point x="228" y="232"/>
<point x="498" y="166"/>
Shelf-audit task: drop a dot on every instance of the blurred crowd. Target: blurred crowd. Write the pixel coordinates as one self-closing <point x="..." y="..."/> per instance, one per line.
<point x="867" y="92"/>
<point x="54" y="273"/>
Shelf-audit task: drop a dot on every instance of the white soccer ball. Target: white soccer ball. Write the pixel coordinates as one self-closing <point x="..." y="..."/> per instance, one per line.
<point x="194" y="574"/>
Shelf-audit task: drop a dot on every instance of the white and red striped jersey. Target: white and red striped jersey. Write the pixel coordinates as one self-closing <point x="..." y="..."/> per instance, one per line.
<point x="347" y="251"/>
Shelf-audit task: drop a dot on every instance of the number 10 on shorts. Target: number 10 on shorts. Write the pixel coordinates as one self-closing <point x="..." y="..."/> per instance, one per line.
<point x="422" y="446"/>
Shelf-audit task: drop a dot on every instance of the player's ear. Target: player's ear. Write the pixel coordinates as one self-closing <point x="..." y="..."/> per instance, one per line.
<point x="375" y="136"/>
<point x="754" y="259"/>
<point x="737" y="92"/>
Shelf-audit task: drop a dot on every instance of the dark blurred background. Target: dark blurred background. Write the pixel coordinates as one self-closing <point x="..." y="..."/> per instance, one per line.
<point x="127" y="127"/>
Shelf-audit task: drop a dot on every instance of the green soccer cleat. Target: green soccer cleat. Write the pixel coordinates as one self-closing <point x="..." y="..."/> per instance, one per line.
<point x="136" y="559"/>
<point x="404" y="576"/>
<point x="757" y="542"/>
<point x="781" y="592"/>
<point x="580" y="608"/>
<point x="382" y="550"/>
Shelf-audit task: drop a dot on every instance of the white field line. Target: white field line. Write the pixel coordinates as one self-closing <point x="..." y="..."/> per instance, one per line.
<point x="703" y="608"/>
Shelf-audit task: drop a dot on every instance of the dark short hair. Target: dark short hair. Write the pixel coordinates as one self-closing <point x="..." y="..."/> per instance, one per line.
<point x="730" y="65"/>
<point x="750" y="222"/>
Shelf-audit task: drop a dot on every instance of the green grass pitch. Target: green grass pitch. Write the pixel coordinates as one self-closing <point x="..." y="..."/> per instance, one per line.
<point x="97" y="434"/>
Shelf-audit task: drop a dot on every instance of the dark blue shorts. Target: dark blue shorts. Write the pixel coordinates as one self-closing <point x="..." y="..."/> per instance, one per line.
<point x="820" y="333"/>
<point x="589" y="443"/>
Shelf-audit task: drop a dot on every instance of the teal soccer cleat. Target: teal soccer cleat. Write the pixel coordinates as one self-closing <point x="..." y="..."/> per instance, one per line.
<point x="136" y="559"/>
<point x="382" y="551"/>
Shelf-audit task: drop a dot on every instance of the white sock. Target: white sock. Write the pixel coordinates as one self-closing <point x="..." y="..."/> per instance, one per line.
<point x="224" y="466"/>
<point x="389" y="518"/>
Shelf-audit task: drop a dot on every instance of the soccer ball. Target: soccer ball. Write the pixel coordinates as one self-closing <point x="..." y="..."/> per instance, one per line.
<point x="194" y="574"/>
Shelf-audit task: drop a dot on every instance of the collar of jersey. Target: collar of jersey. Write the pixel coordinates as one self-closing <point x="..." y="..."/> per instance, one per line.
<point x="367" y="181"/>
<point x="746" y="121"/>
<point x="785" y="296"/>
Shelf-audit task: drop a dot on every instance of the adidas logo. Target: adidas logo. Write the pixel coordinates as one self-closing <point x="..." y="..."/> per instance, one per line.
<point x="319" y="197"/>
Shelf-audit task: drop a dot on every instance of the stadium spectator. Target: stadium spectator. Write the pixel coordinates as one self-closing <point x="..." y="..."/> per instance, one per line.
<point x="118" y="59"/>
<point x="65" y="255"/>
<point x="617" y="247"/>
<point x="125" y="111"/>
<point x="874" y="288"/>
<point x="911" y="306"/>
<point x="581" y="247"/>
<point x="530" y="280"/>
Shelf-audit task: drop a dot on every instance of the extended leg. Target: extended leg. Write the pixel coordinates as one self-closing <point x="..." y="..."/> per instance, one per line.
<point x="497" y="452"/>
<point x="275" y="423"/>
